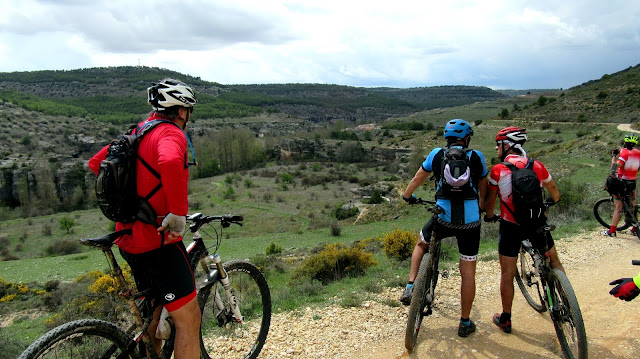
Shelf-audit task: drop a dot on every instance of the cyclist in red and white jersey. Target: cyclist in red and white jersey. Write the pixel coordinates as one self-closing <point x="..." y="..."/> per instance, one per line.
<point x="509" y="148"/>
<point x="625" y="166"/>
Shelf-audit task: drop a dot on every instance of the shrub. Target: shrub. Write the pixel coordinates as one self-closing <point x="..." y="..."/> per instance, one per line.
<point x="399" y="244"/>
<point x="273" y="249"/>
<point x="46" y="230"/>
<point x="335" y="229"/>
<point x="334" y="262"/>
<point x="63" y="247"/>
<point x="66" y="223"/>
<point x="230" y="193"/>
<point x="376" y="198"/>
<point x="346" y="212"/>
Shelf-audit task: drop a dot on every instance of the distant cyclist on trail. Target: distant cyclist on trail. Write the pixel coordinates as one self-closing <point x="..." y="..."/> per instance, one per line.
<point x="457" y="193"/>
<point x="624" y="165"/>
<point x="509" y="148"/>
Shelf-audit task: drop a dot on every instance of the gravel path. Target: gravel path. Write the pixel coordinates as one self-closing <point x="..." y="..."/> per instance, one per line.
<point x="376" y="330"/>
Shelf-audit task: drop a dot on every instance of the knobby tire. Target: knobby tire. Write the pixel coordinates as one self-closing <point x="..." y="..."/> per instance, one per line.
<point x="418" y="302"/>
<point x="603" y="211"/>
<point x="529" y="281"/>
<point x="85" y="338"/>
<point x="566" y="316"/>
<point x="231" y="339"/>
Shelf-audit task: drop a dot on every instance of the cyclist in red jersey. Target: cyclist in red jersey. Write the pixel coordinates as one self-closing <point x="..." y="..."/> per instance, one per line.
<point x="509" y="148"/>
<point x="155" y="251"/>
<point x="625" y="166"/>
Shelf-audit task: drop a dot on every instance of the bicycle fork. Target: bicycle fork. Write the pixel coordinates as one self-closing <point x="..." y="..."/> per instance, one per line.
<point x="231" y="298"/>
<point x="219" y="274"/>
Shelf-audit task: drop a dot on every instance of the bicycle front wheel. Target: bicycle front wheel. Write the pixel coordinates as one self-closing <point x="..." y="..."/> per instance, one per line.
<point x="422" y="297"/>
<point x="566" y="316"/>
<point x="529" y="281"/>
<point x="85" y="338"/>
<point x="603" y="211"/>
<point x="221" y="335"/>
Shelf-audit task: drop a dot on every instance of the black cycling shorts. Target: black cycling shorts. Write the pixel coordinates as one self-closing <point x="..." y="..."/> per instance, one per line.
<point x="511" y="235"/>
<point x="631" y="187"/>
<point x="166" y="272"/>
<point x="468" y="239"/>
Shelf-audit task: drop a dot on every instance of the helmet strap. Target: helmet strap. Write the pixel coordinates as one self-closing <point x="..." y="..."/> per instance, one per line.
<point x="504" y="151"/>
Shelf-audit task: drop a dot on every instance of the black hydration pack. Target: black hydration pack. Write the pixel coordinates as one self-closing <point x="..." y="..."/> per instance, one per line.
<point x="526" y="196"/>
<point x="115" y="187"/>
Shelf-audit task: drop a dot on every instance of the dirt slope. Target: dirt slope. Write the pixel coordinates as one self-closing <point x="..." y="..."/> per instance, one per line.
<point x="376" y="330"/>
<point x="591" y="261"/>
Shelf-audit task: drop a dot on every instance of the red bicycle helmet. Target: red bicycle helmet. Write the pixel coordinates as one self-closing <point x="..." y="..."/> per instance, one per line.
<point x="516" y="135"/>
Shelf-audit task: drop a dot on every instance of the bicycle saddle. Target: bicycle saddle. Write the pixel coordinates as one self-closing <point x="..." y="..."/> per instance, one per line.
<point x="105" y="241"/>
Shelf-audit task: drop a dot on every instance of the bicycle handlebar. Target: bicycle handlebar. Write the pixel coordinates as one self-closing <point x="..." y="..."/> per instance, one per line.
<point x="635" y="262"/>
<point x="200" y="219"/>
<point x="435" y="209"/>
<point x="424" y="201"/>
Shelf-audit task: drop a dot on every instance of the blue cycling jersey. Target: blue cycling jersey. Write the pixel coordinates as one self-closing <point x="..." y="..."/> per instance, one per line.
<point x="470" y="208"/>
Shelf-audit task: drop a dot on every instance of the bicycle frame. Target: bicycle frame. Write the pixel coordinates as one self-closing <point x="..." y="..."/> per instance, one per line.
<point x="197" y="253"/>
<point x="541" y="262"/>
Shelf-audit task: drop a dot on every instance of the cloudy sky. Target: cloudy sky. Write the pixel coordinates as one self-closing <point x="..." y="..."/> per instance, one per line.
<point x="503" y="44"/>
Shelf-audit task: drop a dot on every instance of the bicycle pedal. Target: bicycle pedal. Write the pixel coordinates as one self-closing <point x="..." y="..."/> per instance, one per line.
<point x="427" y="312"/>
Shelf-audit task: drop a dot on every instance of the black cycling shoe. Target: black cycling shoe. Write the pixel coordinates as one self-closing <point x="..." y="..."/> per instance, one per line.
<point x="505" y="327"/>
<point x="465" y="330"/>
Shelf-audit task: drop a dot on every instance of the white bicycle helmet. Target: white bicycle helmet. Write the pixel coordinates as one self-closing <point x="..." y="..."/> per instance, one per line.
<point x="168" y="93"/>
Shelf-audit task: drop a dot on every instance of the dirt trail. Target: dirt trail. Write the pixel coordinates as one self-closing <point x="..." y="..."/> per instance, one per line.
<point x="591" y="261"/>
<point x="375" y="329"/>
<point x="626" y="127"/>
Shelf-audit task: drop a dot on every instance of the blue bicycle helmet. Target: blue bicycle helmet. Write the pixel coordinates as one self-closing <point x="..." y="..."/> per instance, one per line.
<point x="457" y="128"/>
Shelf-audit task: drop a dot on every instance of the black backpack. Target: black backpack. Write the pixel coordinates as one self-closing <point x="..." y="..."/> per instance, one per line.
<point x="615" y="186"/>
<point x="526" y="194"/>
<point x="116" y="191"/>
<point x="455" y="175"/>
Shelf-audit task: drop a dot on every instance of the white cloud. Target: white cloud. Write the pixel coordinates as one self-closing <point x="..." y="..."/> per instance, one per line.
<point x="495" y="43"/>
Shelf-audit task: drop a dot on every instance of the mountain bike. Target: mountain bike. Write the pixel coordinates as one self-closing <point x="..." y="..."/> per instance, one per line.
<point x="234" y="299"/>
<point x="549" y="289"/>
<point x="425" y="283"/>
<point x="603" y="211"/>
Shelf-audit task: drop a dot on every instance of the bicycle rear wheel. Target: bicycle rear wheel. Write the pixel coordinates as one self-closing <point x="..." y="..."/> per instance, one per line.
<point x="529" y="281"/>
<point x="86" y="338"/>
<point x="220" y="335"/>
<point x="566" y="316"/>
<point x="603" y="211"/>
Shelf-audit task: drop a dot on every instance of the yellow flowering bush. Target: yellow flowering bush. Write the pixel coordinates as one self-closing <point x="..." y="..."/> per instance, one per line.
<point x="104" y="284"/>
<point x="399" y="244"/>
<point x="334" y="262"/>
<point x="8" y="298"/>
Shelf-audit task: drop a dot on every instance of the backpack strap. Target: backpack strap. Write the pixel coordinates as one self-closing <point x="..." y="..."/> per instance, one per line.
<point x="146" y="212"/>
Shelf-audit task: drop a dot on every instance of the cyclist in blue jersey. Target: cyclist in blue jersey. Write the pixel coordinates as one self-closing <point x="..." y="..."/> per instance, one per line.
<point x="461" y="181"/>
